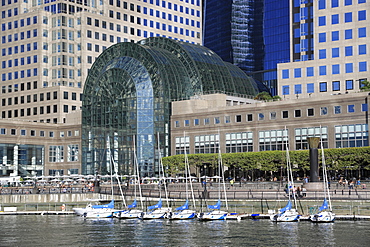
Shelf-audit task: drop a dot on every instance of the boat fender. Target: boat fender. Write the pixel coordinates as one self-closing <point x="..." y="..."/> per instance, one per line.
<point x="63" y="207"/>
<point x="84" y="215"/>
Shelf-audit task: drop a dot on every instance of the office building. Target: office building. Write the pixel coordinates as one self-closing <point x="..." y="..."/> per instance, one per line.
<point x="48" y="47"/>
<point x="331" y="52"/>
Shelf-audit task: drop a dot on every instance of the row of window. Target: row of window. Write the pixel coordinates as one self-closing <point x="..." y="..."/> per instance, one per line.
<point x="19" y="49"/>
<point x="10" y="13"/>
<point x="35" y="111"/>
<point x="310" y="112"/>
<point x="336" y="3"/>
<point x="347" y="17"/>
<point x="60" y="73"/>
<point x="335" y="35"/>
<point x="169" y="4"/>
<point x="56" y="153"/>
<point x="19" y="61"/>
<point x="20" y="74"/>
<point x="323" y="87"/>
<point x="19" y="23"/>
<point x="355" y="135"/>
<point x="41" y="133"/>
<point x="322" y="70"/>
<point x="19" y="36"/>
<point x="35" y="98"/>
<point x="348" y="51"/>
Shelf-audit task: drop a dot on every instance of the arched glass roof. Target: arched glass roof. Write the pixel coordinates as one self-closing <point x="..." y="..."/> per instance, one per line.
<point x="128" y="95"/>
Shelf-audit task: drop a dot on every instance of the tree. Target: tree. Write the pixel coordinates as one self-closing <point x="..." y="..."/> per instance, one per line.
<point x="366" y="86"/>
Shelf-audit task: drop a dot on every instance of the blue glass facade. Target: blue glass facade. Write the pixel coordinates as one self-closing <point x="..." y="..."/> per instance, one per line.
<point x="254" y="35"/>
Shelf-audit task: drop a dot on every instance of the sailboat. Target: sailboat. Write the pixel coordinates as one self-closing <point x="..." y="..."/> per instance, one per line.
<point x="324" y="213"/>
<point x="157" y="211"/>
<point x="132" y="210"/>
<point x="215" y="212"/>
<point x="287" y="213"/>
<point x="96" y="211"/>
<point x="183" y="212"/>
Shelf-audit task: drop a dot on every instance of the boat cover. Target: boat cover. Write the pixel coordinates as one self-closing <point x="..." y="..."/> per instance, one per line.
<point x="287" y="207"/>
<point x="324" y="205"/>
<point x="109" y="205"/>
<point x="133" y="205"/>
<point x="183" y="207"/>
<point x="216" y="206"/>
<point x="158" y="205"/>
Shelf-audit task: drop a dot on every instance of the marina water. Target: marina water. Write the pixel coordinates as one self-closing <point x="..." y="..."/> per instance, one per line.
<point x="29" y="230"/>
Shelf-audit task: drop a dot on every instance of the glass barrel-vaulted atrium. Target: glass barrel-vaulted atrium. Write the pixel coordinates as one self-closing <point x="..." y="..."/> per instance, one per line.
<point x="128" y="94"/>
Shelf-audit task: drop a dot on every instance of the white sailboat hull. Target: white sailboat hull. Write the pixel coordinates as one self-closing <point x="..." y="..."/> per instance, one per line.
<point x="213" y="215"/>
<point x="183" y="215"/>
<point x="98" y="213"/>
<point x="323" y="217"/>
<point x="128" y="214"/>
<point x="288" y="216"/>
<point x="159" y="213"/>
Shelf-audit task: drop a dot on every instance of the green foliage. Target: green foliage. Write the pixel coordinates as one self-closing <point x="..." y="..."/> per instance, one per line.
<point x="366" y="86"/>
<point x="338" y="159"/>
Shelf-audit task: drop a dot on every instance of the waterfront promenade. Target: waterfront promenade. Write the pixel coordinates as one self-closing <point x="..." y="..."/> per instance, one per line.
<point x="253" y="197"/>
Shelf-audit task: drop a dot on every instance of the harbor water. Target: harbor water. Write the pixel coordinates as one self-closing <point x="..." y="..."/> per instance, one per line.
<point x="37" y="230"/>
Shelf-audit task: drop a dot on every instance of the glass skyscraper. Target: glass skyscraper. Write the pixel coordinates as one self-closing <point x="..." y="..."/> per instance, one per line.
<point x="254" y="35"/>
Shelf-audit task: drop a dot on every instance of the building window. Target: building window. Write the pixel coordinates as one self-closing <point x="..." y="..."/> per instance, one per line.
<point x="298" y="89"/>
<point x="285" y="73"/>
<point x="272" y="140"/>
<point x="301" y="135"/>
<point x="323" y="111"/>
<point x="297" y="73"/>
<point x="261" y="116"/>
<point x="196" y="121"/>
<point x="335" y="69"/>
<point x="323" y="87"/>
<point x="297" y="113"/>
<point x="322" y="70"/>
<point x="206" y="144"/>
<point x="249" y="117"/>
<point x="309" y="71"/>
<point x="227" y="119"/>
<point x="362" y="66"/>
<point x="181" y="144"/>
<point x="335" y="36"/>
<point x="351" y="136"/>
<point x="238" y="118"/>
<point x="337" y="109"/>
<point x="348" y="17"/>
<point x="56" y="153"/>
<point x="216" y="120"/>
<point x="310" y="87"/>
<point x="350" y="108"/>
<point x="273" y="115"/>
<point x="239" y="142"/>
<point x="349" y="84"/>
<point x="336" y="85"/>
<point x="285" y="114"/>
<point x="285" y="90"/>
<point x="348" y="34"/>
<point x="73" y="152"/>
<point x="177" y="124"/>
<point x="310" y="112"/>
<point x="349" y="67"/>
<point x="206" y="121"/>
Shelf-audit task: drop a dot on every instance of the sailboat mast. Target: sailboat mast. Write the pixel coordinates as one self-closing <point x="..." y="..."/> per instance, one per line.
<point x="289" y="170"/>
<point x="137" y="177"/>
<point x="161" y="169"/>
<point x="324" y="171"/>
<point x="221" y="172"/>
